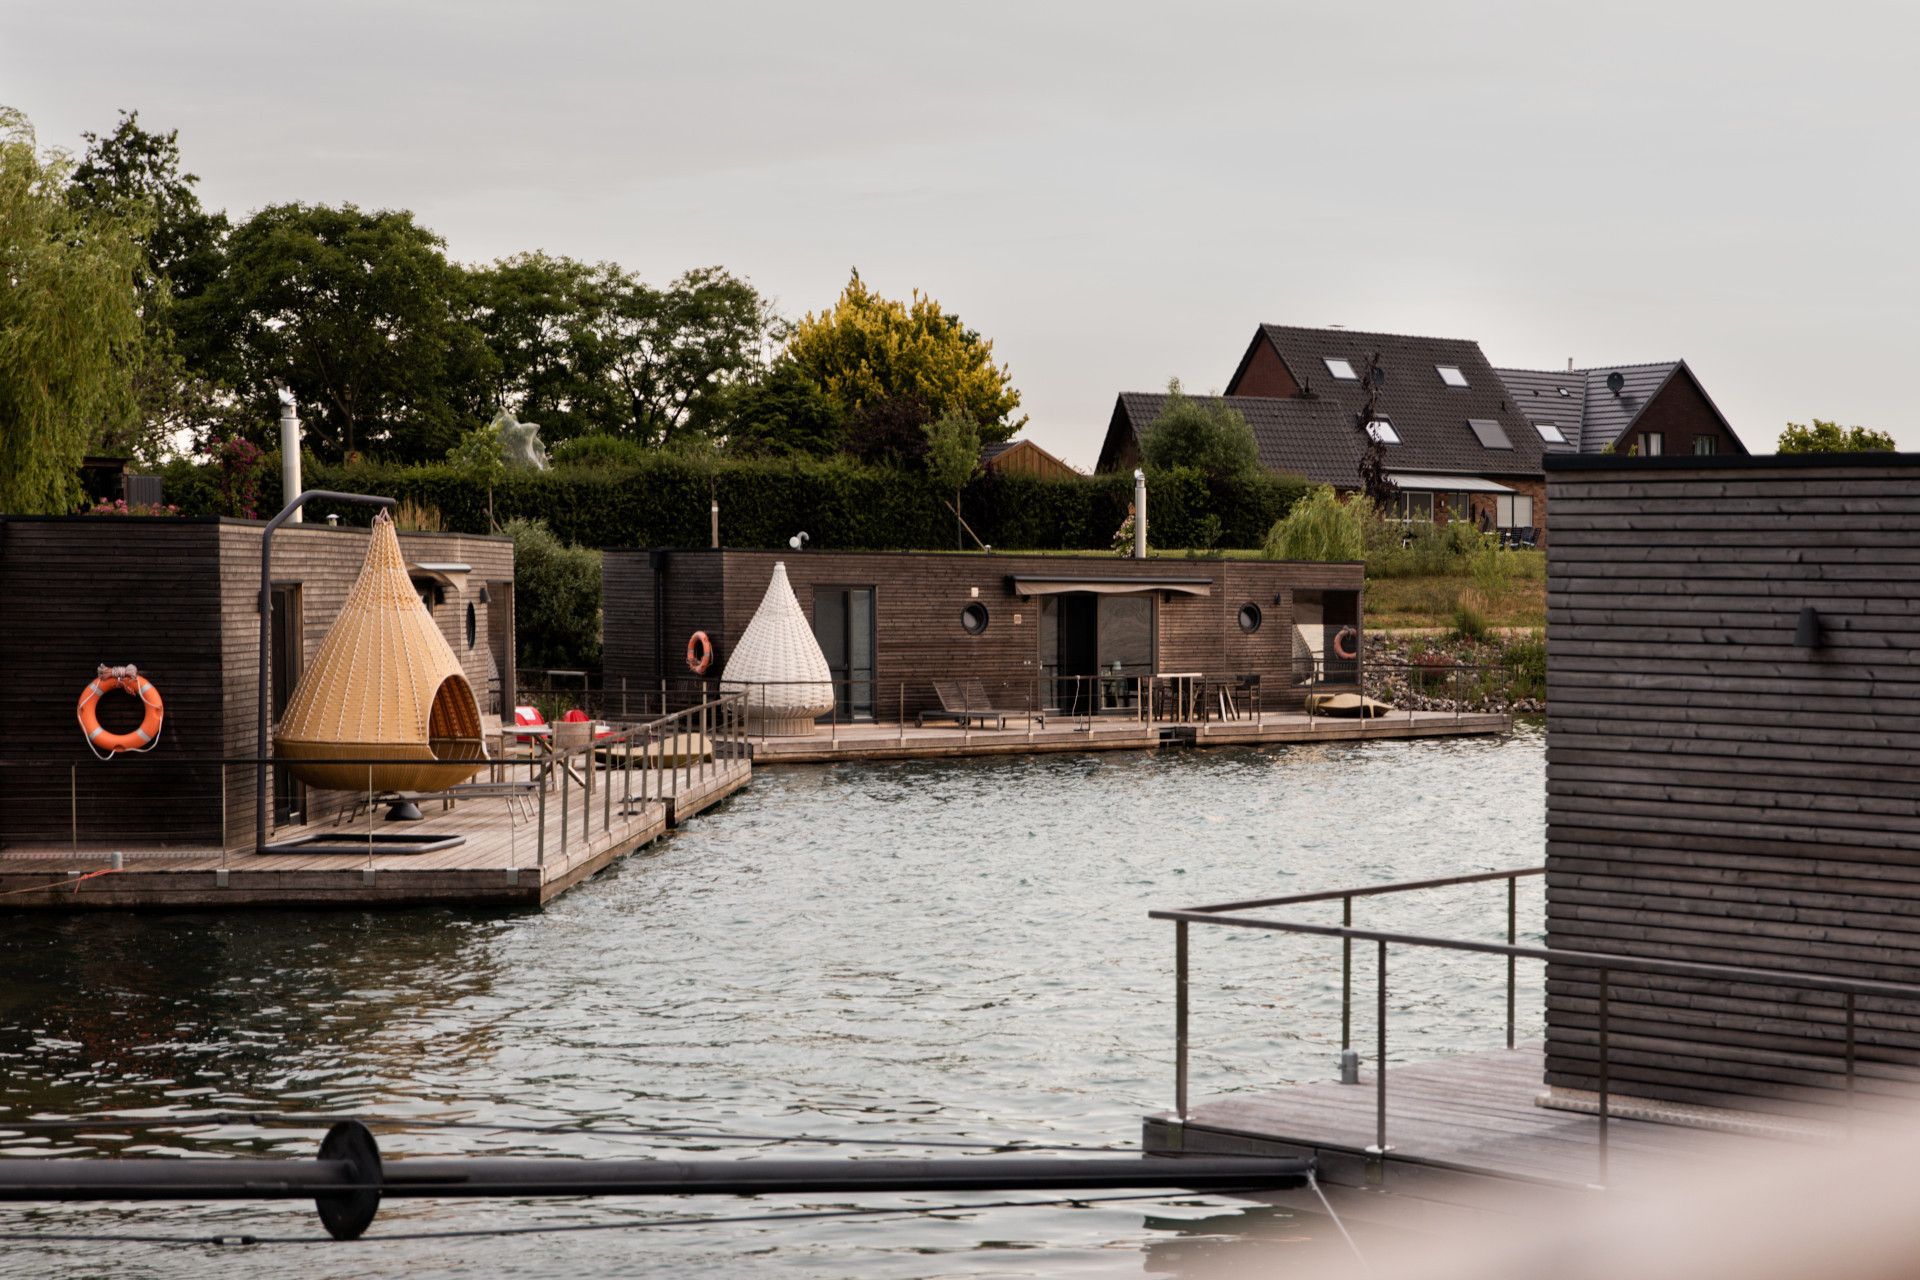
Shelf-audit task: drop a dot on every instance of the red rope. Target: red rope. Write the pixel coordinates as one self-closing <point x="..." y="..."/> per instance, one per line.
<point x="60" y="884"/>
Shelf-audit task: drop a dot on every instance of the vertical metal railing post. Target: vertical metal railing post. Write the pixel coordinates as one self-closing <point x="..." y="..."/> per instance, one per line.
<point x="224" y="842"/>
<point x="1346" y="977"/>
<point x="540" y="840"/>
<point x="626" y="803"/>
<point x="1513" y="895"/>
<point x="73" y="809"/>
<point x="1851" y="1096"/>
<point x="606" y="786"/>
<point x="901" y="704"/>
<point x="1604" y="1083"/>
<point x="1180" y="1019"/>
<point x="1380" y="1059"/>
<point x="566" y="776"/>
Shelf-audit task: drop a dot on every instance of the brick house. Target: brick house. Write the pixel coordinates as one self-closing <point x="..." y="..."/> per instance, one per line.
<point x="1462" y="439"/>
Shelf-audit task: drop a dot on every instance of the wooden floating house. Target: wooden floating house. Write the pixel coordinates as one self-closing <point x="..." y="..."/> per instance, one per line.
<point x="1733" y="668"/>
<point x="1066" y="634"/>
<point x="177" y="597"/>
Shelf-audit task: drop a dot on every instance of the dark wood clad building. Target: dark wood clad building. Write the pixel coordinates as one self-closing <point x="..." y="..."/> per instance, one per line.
<point x="1027" y="625"/>
<point x="178" y="598"/>
<point x="1728" y="783"/>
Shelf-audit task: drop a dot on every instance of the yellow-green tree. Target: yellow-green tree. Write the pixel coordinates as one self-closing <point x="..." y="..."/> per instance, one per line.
<point x="867" y="350"/>
<point x="70" y="329"/>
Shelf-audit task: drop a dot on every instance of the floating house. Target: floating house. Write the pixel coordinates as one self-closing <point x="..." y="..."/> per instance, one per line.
<point x="178" y="598"/>
<point x="1066" y="633"/>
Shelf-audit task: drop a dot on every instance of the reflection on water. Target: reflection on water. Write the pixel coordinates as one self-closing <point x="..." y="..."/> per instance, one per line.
<point x="953" y="949"/>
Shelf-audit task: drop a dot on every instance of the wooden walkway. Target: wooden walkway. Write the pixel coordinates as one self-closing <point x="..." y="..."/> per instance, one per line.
<point x="1466" y="1124"/>
<point x="1110" y="733"/>
<point x="503" y="860"/>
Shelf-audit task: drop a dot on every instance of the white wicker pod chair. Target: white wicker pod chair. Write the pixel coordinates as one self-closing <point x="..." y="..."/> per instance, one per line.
<point x="778" y="667"/>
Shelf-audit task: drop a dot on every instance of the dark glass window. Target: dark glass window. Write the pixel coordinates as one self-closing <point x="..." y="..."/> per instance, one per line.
<point x="1249" y="618"/>
<point x="973" y="619"/>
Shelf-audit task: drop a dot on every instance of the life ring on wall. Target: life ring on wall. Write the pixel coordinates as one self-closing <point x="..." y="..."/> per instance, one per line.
<point x="1346" y="644"/>
<point x="699" y="653"/>
<point x="130" y="680"/>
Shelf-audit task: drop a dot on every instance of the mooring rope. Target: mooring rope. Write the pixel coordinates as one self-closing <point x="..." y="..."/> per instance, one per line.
<point x="1313" y="1180"/>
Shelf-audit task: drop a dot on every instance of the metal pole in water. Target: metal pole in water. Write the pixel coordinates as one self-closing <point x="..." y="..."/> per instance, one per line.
<point x="1380" y="1070"/>
<point x="1513" y="892"/>
<point x="1180" y="1019"/>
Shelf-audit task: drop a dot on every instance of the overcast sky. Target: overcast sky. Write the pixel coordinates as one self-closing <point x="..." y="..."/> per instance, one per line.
<point x="1115" y="193"/>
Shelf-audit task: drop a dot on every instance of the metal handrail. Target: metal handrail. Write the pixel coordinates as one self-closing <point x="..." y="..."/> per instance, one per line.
<point x="1603" y="963"/>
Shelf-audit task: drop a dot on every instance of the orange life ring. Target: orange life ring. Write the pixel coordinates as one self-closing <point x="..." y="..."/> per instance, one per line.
<point x="699" y="653"/>
<point x="1346" y="644"/>
<point x="130" y="680"/>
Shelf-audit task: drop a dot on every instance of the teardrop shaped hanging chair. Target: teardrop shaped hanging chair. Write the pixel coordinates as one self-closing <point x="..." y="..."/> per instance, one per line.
<point x="385" y="686"/>
<point x="778" y="665"/>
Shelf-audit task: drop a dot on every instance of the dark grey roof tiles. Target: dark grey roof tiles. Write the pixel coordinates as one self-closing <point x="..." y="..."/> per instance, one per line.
<point x="1313" y="438"/>
<point x="1543" y="395"/>
<point x="1429" y="416"/>
<point x="1609" y="414"/>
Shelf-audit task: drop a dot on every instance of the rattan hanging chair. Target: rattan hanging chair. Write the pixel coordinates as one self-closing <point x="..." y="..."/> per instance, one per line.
<point x="778" y="666"/>
<point x="384" y="687"/>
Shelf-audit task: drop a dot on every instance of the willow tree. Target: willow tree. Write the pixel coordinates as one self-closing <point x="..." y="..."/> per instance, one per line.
<point x="70" y="329"/>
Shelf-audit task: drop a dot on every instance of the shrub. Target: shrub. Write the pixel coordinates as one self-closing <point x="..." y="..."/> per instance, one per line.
<point x="1209" y="437"/>
<point x="1469" y="623"/>
<point x="600" y="451"/>
<point x="1322" y="527"/>
<point x="1526" y="664"/>
<point x="556" y="598"/>
<point x="1492" y="568"/>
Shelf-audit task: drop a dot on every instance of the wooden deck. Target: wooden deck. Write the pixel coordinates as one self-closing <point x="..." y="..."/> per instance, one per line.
<point x="1109" y="733"/>
<point x="1463" y="1129"/>
<point x="503" y="860"/>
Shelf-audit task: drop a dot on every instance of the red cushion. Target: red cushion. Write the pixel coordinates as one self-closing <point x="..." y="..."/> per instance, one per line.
<point x="528" y="715"/>
<point x="575" y="716"/>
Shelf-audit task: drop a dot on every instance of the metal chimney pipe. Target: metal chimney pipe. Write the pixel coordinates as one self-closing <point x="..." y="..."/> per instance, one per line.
<point x="1139" y="514"/>
<point x="713" y="519"/>
<point x="289" y="451"/>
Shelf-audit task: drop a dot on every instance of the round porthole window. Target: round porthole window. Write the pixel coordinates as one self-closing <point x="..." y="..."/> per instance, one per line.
<point x="473" y="625"/>
<point x="1249" y="618"/>
<point x="973" y="619"/>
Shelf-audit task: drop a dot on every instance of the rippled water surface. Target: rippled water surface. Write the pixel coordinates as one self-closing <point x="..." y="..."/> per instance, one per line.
<point x="931" y="950"/>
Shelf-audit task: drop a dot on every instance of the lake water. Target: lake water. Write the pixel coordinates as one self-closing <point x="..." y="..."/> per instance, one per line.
<point x="951" y="950"/>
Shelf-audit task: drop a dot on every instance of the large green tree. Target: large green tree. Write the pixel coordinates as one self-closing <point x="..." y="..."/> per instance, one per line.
<point x="136" y="175"/>
<point x="1831" y="437"/>
<point x="592" y="349"/>
<point x="867" y="350"/>
<point x="70" y="327"/>
<point x="359" y="314"/>
<point x="1209" y="437"/>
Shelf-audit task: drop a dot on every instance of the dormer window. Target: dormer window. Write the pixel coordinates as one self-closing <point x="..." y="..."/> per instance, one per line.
<point x="1550" y="433"/>
<point x="1451" y="375"/>
<point x="1341" y="369"/>
<point x="1489" y="433"/>
<point x="1381" y="432"/>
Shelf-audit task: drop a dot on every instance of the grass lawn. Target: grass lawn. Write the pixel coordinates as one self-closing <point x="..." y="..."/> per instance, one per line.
<point x="1397" y="603"/>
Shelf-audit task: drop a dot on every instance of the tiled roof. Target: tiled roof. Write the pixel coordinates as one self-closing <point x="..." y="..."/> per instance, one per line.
<point x="991" y="451"/>
<point x="1313" y="438"/>
<point x="1542" y="395"/>
<point x="1429" y="416"/>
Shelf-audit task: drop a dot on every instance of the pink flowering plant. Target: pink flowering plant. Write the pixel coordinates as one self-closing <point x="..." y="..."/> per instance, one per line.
<point x="119" y="507"/>
<point x="239" y="460"/>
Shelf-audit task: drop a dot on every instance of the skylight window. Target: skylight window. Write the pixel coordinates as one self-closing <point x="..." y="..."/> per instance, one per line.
<point x="1382" y="431"/>
<point x="1451" y="375"/>
<point x="1550" y="433"/>
<point x="1490" y="433"/>
<point x="1341" y="369"/>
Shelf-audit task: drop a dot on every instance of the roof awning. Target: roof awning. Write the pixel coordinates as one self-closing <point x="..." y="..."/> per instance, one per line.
<point x="449" y="575"/>
<point x="1446" y="484"/>
<point x="1060" y="584"/>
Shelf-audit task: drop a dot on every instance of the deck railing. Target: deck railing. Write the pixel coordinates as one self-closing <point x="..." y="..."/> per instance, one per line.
<point x="615" y="767"/>
<point x="1602" y="964"/>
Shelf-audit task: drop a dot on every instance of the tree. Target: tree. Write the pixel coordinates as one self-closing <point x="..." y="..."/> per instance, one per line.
<point x="478" y="458"/>
<point x="594" y="350"/>
<point x="137" y="176"/>
<point x="782" y="412"/>
<point x="953" y="458"/>
<point x="1831" y="437"/>
<point x="1212" y="438"/>
<point x="867" y="350"/>
<point x="1322" y="526"/>
<point x="359" y="314"/>
<point x="556" y="598"/>
<point x="70" y="330"/>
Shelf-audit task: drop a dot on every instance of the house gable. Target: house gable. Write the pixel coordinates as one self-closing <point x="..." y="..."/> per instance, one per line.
<point x="1682" y="413"/>
<point x="1262" y="372"/>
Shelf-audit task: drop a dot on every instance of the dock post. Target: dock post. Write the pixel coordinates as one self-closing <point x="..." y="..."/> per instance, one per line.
<point x="1180" y="1019"/>
<point x="540" y="840"/>
<point x="606" y="793"/>
<point x="566" y="776"/>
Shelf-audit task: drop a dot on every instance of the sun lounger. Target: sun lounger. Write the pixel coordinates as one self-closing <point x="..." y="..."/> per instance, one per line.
<point x="965" y="702"/>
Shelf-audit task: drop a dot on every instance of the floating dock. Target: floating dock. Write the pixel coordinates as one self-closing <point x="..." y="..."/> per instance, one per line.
<point x="882" y="741"/>
<point x="520" y="854"/>
<point x="1465" y="1131"/>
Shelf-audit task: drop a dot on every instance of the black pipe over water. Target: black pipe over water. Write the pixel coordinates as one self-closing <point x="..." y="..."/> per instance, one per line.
<point x="349" y="1179"/>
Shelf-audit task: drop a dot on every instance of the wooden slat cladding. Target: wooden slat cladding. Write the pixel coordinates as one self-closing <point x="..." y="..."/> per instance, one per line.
<point x="178" y="598"/>
<point x="918" y="599"/>
<point x="1718" y="793"/>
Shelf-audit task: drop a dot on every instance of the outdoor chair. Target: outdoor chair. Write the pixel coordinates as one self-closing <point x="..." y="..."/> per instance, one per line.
<point x="965" y="702"/>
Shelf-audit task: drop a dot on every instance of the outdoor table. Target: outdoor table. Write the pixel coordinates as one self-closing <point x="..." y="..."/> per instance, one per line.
<point x="1185" y="688"/>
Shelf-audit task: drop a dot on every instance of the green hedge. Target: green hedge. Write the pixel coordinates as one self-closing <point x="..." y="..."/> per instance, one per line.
<point x="764" y="502"/>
